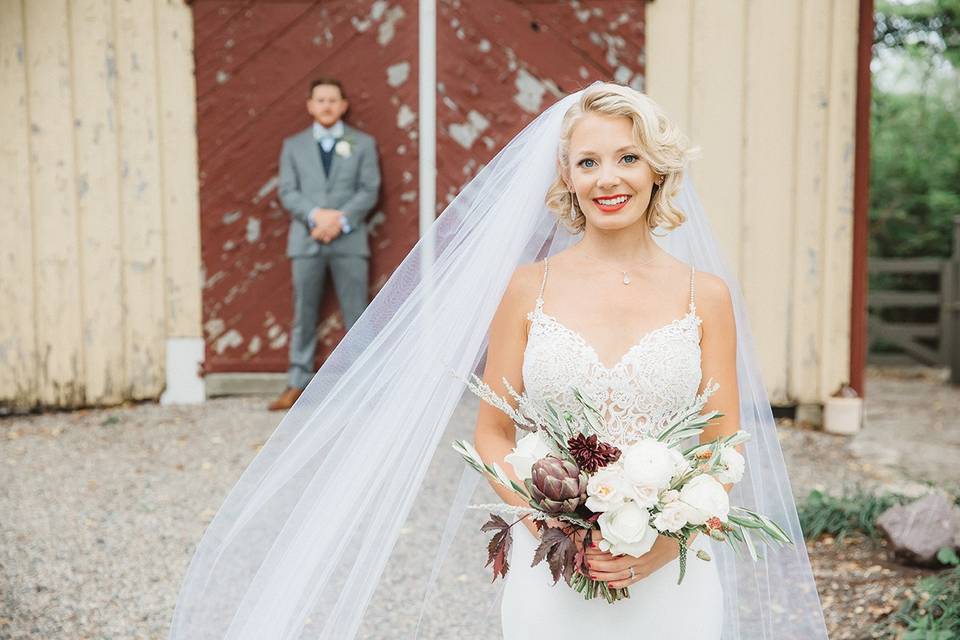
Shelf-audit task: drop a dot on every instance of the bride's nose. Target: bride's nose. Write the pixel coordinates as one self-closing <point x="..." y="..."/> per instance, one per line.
<point x="607" y="177"/>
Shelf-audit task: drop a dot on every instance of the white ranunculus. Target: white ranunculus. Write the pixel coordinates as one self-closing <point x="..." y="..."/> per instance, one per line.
<point x="732" y="465"/>
<point x="529" y="449"/>
<point x="343" y="148"/>
<point x="607" y="489"/>
<point x="704" y="498"/>
<point x="649" y="463"/>
<point x="627" y="530"/>
<point x="672" y="518"/>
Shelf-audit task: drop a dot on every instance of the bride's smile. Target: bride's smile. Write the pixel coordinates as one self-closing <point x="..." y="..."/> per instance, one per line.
<point x="612" y="204"/>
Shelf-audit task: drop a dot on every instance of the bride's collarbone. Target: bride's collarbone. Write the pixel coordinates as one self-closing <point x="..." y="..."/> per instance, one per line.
<point x="601" y="307"/>
<point x="612" y="323"/>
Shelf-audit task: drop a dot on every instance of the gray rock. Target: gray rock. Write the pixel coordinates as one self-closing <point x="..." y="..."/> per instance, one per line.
<point x="917" y="531"/>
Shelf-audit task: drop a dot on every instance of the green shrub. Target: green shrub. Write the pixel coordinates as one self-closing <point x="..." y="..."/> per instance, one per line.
<point x="854" y="512"/>
<point x="931" y="610"/>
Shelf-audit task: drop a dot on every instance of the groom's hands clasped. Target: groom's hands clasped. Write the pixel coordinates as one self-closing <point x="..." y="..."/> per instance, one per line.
<point x="326" y="225"/>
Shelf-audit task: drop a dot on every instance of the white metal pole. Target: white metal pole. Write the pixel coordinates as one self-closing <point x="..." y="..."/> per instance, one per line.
<point x="428" y="113"/>
<point x="428" y="146"/>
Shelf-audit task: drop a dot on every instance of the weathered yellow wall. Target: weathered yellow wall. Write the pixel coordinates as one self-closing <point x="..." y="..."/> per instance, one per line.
<point x="768" y="90"/>
<point x="99" y="229"/>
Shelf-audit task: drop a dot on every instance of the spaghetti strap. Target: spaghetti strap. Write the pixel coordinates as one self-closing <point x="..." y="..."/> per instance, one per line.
<point x="692" y="305"/>
<point x="543" y="283"/>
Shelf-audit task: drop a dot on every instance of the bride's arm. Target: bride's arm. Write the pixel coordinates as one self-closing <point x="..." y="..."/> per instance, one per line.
<point x="495" y="433"/>
<point x="718" y="349"/>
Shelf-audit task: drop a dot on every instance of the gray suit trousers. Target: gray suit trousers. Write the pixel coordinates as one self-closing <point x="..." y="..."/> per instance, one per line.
<point x="350" y="281"/>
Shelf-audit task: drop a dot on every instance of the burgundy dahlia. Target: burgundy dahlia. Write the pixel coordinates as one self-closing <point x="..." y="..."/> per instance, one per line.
<point x="590" y="453"/>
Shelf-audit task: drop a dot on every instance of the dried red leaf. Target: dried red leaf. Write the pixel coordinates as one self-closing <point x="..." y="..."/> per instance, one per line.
<point x="495" y="523"/>
<point x="498" y="550"/>
<point x="560" y="552"/>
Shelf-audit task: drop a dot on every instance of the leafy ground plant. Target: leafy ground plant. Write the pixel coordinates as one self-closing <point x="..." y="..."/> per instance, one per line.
<point x="930" y="611"/>
<point x="855" y="511"/>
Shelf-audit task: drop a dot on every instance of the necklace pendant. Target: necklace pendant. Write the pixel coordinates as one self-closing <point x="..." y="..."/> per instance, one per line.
<point x="626" y="278"/>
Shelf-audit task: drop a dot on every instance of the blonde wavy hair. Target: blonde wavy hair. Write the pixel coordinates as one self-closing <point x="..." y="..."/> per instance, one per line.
<point x="661" y="143"/>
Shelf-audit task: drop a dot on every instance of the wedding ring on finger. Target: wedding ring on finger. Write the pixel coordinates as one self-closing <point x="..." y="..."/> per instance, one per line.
<point x="632" y="574"/>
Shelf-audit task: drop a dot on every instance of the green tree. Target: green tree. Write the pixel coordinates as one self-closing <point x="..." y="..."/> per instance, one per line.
<point x="929" y="29"/>
<point x="915" y="138"/>
<point x="915" y="174"/>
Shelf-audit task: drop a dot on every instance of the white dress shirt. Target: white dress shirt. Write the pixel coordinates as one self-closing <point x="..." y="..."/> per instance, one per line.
<point x="327" y="137"/>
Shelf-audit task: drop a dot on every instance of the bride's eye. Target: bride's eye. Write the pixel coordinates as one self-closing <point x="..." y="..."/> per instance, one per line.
<point x="583" y="163"/>
<point x="630" y="158"/>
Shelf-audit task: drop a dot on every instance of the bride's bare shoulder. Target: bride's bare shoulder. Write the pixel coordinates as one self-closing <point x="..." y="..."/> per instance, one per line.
<point x="712" y="295"/>
<point x="518" y="300"/>
<point x="524" y="285"/>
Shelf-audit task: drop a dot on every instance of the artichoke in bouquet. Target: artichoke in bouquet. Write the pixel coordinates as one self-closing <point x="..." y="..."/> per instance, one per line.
<point x="557" y="485"/>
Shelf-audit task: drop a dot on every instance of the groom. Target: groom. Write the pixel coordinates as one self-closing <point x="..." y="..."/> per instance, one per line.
<point x="329" y="179"/>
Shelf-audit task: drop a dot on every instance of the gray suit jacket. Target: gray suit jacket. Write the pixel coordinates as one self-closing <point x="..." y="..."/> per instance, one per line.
<point x="352" y="188"/>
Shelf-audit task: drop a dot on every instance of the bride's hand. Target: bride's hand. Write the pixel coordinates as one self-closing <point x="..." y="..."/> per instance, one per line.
<point x="616" y="570"/>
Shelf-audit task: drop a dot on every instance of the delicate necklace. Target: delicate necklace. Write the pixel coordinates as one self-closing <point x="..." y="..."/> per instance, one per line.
<point x="626" y="275"/>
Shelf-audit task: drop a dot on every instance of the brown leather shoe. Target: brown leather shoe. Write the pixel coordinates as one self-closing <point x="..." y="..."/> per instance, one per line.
<point x="286" y="399"/>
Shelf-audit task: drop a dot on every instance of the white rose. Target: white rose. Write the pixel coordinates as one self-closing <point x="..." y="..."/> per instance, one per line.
<point x="649" y="463"/>
<point x="647" y="496"/>
<point x="731" y="466"/>
<point x="529" y="449"/>
<point x="672" y="518"/>
<point x="704" y="498"/>
<point x="342" y="148"/>
<point x="607" y="489"/>
<point x="627" y="530"/>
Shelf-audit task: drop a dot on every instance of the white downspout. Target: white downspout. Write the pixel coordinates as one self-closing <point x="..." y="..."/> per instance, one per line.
<point x="428" y="117"/>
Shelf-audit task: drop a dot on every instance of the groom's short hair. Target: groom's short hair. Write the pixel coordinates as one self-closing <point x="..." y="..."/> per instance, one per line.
<point x="333" y="82"/>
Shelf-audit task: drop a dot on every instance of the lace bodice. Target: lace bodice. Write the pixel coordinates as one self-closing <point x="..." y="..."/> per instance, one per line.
<point x="658" y="375"/>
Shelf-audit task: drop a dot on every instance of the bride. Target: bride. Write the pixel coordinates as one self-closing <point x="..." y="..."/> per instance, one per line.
<point x="638" y="329"/>
<point x="614" y="286"/>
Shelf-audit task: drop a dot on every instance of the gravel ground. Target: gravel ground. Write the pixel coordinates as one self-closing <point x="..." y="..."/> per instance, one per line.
<point x="100" y="510"/>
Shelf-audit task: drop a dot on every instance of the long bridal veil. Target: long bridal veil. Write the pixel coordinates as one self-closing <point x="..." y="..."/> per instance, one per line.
<point x="352" y="520"/>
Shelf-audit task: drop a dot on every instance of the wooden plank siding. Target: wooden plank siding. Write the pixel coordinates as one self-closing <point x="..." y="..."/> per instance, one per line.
<point x="140" y="202"/>
<point x="96" y="136"/>
<point x="716" y="102"/>
<point x="838" y="209"/>
<point x="808" y="224"/>
<point x="52" y="171"/>
<point x="767" y="90"/>
<point x="98" y="249"/>
<point x="19" y="374"/>
<point x="178" y="133"/>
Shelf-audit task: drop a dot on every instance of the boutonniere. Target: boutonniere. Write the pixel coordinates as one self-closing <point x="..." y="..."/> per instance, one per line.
<point x="344" y="147"/>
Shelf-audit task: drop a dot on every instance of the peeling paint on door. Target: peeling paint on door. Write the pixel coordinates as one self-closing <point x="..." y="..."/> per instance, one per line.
<point x="500" y="62"/>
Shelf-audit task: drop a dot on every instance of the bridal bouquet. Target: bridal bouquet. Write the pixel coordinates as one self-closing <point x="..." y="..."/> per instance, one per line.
<point x="655" y="486"/>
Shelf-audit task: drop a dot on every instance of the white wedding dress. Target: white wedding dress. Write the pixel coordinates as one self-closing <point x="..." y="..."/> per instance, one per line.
<point x="658" y="375"/>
